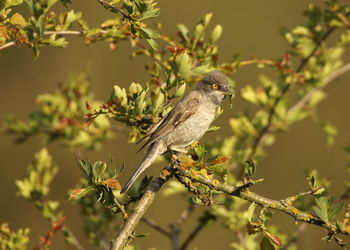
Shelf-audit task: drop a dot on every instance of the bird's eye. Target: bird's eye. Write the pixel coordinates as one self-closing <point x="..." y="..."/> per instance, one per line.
<point x="215" y="86"/>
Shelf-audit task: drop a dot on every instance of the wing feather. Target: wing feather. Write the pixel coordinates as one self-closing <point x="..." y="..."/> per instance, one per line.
<point x="180" y="113"/>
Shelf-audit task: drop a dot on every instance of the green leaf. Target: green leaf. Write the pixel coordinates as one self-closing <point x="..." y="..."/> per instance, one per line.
<point x="250" y="168"/>
<point x="207" y="18"/>
<point x="50" y="3"/>
<point x="330" y="131"/>
<point x="194" y="201"/>
<point x="184" y="32"/>
<point x="320" y="191"/>
<point x="321" y="214"/>
<point x="150" y="13"/>
<point x="216" y="33"/>
<point x="180" y="90"/>
<point x="10" y="3"/>
<point x="66" y="3"/>
<point x="200" y="151"/>
<point x="60" y="42"/>
<point x="86" y="166"/>
<point x="158" y="100"/>
<point x="322" y="203"/>
<point x="120" y="95"/>
<point x="202" y="189"/>
<point x="317" y="97"/>
<point x="335" y="210"/>
<point x="152" y="43"/>
<point x="99" y="169"/>
<point x="135" y="88"/>
<point x="148" y="33"/>
<point x="18" y="19"/>
<point x="266" y="244"/>
<point x="249" y="94"/>
<point x="251" y="210"/>
<point x="183" y="65"/>
<point x="71" y="17"/>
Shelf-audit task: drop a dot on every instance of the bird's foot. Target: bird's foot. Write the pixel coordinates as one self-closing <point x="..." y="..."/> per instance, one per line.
<point x="178" y="150"/>
<point x="194" y="145"/>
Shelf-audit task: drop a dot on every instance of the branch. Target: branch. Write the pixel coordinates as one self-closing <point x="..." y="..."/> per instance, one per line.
<point x="7" y="45"/>
<point x="71" y="239"/>
<point x="303" y="101"/>
<point x="272" y="111"/>
<point x="48" y="33"/>
<point x="301" y="228"/>
<point x="243" y="193"/>
<point x="141" y="207"/>
<point x="193" y="234"/>
<point x="184" y="215"/>
<point x="265" y="130"/>
<point x="153" y="224"/>
<point x="176" y="226"/>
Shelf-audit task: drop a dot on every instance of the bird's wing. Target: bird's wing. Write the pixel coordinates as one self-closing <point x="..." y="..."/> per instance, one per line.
<point x="180" y="113"/>
<point x="151" y="131"/>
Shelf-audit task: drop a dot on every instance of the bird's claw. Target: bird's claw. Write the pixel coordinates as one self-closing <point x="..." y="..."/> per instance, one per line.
<point x="175" y="159"/>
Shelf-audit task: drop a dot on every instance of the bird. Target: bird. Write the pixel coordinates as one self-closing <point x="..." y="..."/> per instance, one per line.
<point x="185" y="123"/>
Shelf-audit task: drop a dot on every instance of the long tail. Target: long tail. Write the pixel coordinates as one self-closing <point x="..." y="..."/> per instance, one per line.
<point x="150" y="156"/>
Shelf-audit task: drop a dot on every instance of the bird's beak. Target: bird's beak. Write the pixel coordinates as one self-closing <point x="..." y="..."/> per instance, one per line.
<point x="231" y="94"/>
<point x="228" y="92"/>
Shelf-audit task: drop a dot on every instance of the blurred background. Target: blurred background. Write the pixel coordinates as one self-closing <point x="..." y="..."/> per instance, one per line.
<point x="22" y="78"/>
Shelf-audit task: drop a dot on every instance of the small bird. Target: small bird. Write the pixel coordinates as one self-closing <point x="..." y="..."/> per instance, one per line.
<point x="185" y="123"/>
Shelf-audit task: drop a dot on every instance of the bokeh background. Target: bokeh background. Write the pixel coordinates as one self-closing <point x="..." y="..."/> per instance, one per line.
<point x="251" y="28"/>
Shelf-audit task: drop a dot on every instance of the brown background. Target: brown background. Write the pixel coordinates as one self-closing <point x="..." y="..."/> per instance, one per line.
<point x="251" y="28"/>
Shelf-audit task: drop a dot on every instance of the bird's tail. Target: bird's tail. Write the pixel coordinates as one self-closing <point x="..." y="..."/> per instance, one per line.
<point x="150" y="156"/>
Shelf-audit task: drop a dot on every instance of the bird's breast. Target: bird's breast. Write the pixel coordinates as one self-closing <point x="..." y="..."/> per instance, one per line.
<point x="193" y="128"/>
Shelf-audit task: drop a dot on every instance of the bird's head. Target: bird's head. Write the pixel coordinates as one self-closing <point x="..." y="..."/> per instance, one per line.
<point x="215" y="85"/>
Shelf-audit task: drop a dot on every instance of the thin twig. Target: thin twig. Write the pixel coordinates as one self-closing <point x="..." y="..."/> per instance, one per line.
<point x="303" y="101"/>
<point x="302" y="194"/>
<point x="295" y="237"/>
<point x="153" y="224"/>
<point x="141" y="207"/>
<point x="193" y="234"/>
<point x="7" y="45"/>
<point x="71" y="239"/>
<point x="48" y="33"/>
<point x="174" y="232"/>
<point x="175" y="228"/>
<point x="64" y="32"/>
<point x="121" y="208"/>
<point x="184" y="215"/>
